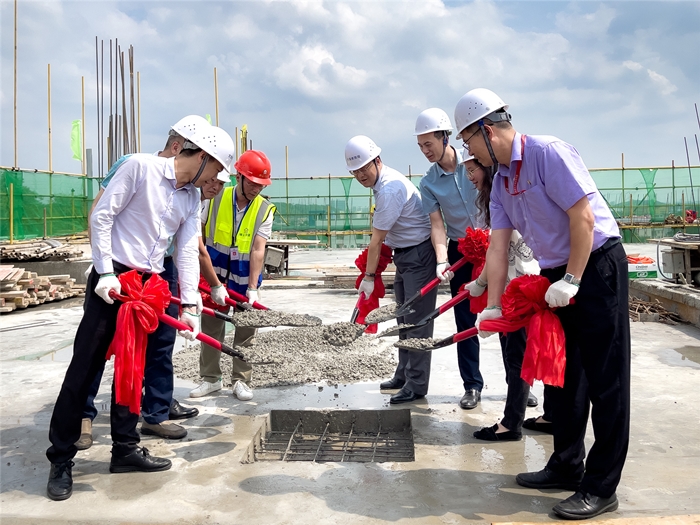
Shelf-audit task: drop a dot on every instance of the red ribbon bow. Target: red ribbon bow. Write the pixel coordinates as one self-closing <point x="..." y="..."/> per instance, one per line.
<point x="473" y="246"/>
<point x="372" y="303"/>
<point x="523" y="305"/>
<point x="137" y="318"/>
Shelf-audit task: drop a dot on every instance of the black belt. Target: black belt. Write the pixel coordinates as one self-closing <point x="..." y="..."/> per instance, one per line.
<point x="400" y="250"/>
<point x="607" y="245"/>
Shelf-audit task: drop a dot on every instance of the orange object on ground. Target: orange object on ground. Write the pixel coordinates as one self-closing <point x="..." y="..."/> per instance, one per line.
<point x="640" y="260"/>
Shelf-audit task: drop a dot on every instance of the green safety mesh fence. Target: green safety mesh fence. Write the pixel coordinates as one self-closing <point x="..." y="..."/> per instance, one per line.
<point x="336" y="210"/>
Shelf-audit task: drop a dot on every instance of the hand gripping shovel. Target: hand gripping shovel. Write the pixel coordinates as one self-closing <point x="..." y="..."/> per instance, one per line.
<point x="243" y="305"/>
<point x="461" y="296"/>
<point x="165" y="318"/>
<point x="406" y="307"/>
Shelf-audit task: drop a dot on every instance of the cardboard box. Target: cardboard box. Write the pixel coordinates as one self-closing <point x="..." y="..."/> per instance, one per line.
<point x="642" y="271"/>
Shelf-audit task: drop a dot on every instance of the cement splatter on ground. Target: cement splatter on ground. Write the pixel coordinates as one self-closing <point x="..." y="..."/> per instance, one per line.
<point x="344" y="333"/>
<point x="418" y="344"/>
<point x="266" y="318"/>
<point x="300" y="356"/>
<point x="384" y="313"/>
<point x="394" y="328"/>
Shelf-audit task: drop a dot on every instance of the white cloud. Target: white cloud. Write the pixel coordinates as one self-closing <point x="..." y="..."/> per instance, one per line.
<point x="585" y="24"/>
<point x="664" y="85"/>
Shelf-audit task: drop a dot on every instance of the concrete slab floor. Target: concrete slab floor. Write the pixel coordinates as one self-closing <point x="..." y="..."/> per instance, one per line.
<point x="455" y="478"/>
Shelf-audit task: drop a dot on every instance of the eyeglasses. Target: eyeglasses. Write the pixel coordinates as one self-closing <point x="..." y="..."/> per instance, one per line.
<point x="465" y="143"/>
<point x="470" y="173"/>
<point x="363" y="170"/>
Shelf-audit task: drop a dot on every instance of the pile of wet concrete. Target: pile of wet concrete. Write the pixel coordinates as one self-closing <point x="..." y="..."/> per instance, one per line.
<point x="335" y="354"/>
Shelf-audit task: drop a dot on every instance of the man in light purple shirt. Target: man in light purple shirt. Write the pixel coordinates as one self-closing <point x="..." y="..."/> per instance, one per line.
<point x="543" y="189"/>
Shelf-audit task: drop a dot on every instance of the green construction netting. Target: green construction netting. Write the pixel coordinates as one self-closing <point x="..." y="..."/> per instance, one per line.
<point x="333" y="210"/>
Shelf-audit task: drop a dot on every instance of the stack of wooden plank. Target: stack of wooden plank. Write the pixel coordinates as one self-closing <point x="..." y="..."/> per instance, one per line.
<point x="49" y="249"/>
<point x="20" y="288"/>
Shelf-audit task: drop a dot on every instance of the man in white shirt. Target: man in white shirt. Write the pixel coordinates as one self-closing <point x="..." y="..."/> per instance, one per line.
<point x="150" y="200"/>
<point x="400" y="223"/>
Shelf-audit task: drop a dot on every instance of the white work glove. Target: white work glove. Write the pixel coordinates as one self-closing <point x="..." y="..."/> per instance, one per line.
<point x="219" y="294"/>
<point x="475" y="288"/>
<point x="198" y="302"/>
<point x="191" y="320"/>
<point x="442" y="273"/>
<point x="366" y="287"/>
<point x="88" y="271"/>
<point x="252" y="295"/>
<point x="560" y="293"/>
<point x="108" y="282"/>
<point x="492" y="312"/>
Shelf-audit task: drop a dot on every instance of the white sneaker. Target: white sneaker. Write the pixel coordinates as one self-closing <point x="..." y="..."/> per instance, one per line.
<point x="242" y="391"/>
<point x="206" y="388"/>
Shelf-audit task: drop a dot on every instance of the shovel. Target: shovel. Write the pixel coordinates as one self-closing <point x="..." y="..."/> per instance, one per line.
<point x="405" y="308"/>
<point x="447" y="341"/>
<point x="243" y="305"/>
<point x="461" y="296"/>
<point x="165" y="318"/>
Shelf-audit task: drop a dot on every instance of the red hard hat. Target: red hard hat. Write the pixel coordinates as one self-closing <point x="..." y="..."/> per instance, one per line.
<point x="255" y="166"/>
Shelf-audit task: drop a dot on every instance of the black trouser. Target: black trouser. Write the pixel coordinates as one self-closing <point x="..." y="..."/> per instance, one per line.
<point x="467" y="350"/>
<point x="513" y="350"/>
<point x="415" y="267"/>
<point x="92" y="341"/>
<point x="597" y="333"/>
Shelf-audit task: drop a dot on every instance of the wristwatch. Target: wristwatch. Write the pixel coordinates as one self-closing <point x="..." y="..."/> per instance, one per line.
<point x="569" y="278"/>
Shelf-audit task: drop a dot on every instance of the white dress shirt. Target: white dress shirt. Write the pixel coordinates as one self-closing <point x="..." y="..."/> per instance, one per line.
<point x="140" y="211"/>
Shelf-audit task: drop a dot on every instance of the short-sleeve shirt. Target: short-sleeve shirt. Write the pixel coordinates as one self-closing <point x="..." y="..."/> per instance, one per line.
<point x="399" y="210"/>
<point x="552" y="179"/>
<point x="454" y="195"/>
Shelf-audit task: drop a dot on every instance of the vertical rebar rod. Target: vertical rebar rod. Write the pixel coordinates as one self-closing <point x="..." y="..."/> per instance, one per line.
<point x="289" y="445"/>
<point x="82" y="124"/>
<point x="12" y="212"/>
<point x="49" y="114"/>
<point x="138" y="106"/>
<point x="376" y="440"/>
<point x="110" y="146"/>
<point x="320" y="443"/>
<point x="16" y="165"/>
<point x="347" y="442"/>
<point x="216" y="96"/>
<point x="101" y="108"/>
<point x="690" y="173"/>
<point x="97" y="98"/>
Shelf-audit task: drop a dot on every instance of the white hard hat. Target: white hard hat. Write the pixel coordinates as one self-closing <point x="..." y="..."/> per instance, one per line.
<point x="187" y="126"/>
<point x="217" y="143"/>
<point x="433" y="119"/>
<point x="360" y="151"/>
<point x="477" y="104"/>
<point x="223" y="176"/>
<point x="466" y="155"/>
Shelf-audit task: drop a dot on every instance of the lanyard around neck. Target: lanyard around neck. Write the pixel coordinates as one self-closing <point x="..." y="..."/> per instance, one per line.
<point x="517" y="170"/>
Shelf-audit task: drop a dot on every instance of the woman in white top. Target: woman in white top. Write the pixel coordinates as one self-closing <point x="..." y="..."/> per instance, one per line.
<point x="520" y="262"/>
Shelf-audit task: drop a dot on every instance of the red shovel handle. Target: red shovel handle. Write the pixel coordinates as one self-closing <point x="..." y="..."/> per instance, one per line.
<point x="461" y="296"/>
<point x="432" y="284"/>
<point x="238" y="297"/>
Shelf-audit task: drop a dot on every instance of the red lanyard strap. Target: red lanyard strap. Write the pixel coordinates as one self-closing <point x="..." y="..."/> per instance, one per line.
<point x="517" y="169"/>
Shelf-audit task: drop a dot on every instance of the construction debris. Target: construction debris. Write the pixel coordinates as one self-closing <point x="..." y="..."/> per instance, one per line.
<point x="653" y="311"/>
<point x="39" y="250"/>
<point x="20" y="289"/>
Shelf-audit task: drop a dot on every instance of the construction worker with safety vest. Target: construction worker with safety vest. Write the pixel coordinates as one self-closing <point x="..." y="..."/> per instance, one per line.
<point x="399" y="222"/>
<point x="543" y="189"/>
<point x="149" y="201"/>
<point x="238" y="225"/>
<point x="450" y="200"/>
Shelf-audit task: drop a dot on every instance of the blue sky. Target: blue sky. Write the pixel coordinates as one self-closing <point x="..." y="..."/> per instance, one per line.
<point x="608" y="77"/>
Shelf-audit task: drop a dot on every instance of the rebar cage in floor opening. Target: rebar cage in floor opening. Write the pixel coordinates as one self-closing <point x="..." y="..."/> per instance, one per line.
<point x="341" y="436"/>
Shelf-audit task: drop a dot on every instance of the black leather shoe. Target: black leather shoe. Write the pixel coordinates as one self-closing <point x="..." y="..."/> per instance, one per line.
<point x="138" y="460"/>
<point x="470" y="399"/>
<point x="177" y="411"/>
<point x="392" y="384"/>
<point x="490" y="434"/>
<point x="547" y="479"/>
<point x="531" y="423"/>
<point x="60" y="484"/>
<point x="532" y="400"/>
<point x="582" y="506"/>
<point x="404" y="396"/>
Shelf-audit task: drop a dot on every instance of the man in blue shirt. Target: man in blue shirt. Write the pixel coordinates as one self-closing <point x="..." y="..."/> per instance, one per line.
<point x="449" y="198"/>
